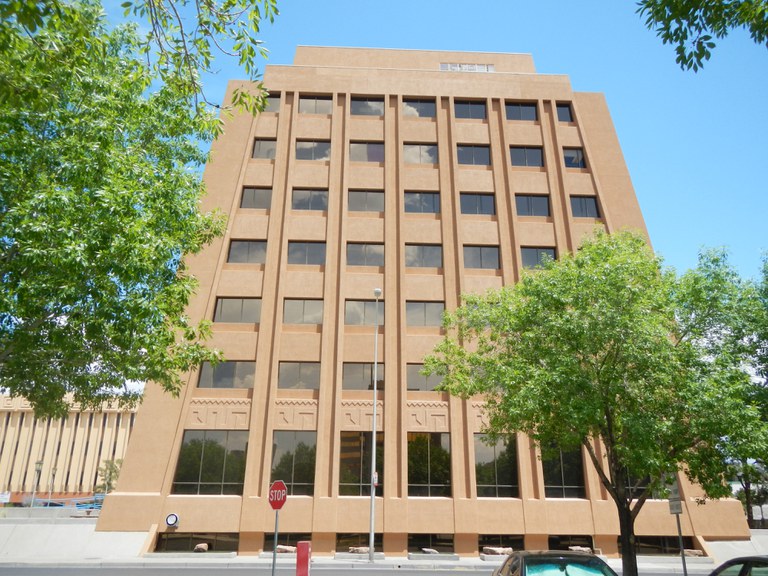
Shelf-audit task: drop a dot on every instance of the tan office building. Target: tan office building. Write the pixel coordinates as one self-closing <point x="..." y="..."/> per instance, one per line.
<point x="427" y="175"/>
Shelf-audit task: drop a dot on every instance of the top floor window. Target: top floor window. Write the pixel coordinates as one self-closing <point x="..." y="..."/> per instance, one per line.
<point x="521" y="111"/>
<point x="313" y="150"/>
<point x="315" y="105"/>
<point x="419" y="107"/>
<point x="471" y="109"/>
<point x="272" y="102"/>
<point x="360" y="106"/>
<point x="264" y="148"/>
<point x="564" y="113"/>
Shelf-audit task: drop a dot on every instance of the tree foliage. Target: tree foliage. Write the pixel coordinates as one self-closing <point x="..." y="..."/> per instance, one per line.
<point x="606" y="345"/>
<point x="109" y="472"/>
<point x="692" y="25"/>
<point x="183" y="37"/>
<point x="99" y="194"/>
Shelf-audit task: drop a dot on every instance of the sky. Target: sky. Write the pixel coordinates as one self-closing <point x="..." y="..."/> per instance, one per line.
<point x="696" y="144"/>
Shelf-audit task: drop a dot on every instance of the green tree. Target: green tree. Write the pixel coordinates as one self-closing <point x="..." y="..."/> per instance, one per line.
<point x="606" y="345"/>
<point x="182" y="39"/>
<point x="109" y="472"/>
<point x="691" y="25"/>
<point x="99" y="196"/>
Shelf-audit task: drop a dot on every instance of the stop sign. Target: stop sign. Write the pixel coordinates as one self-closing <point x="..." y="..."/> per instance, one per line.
<point x="278" y="494"/>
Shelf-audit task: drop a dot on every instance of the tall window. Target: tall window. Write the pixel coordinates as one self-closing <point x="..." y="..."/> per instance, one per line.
<point x="296" y="311"/>
<point x="564" y="113"/>
<point x="359" y="376"/>
<point x="360" y="254"/>
<point x="245" y="310"/>
<point x="264" y="148"/>
<point x="423" y="256"/>
<point x="293" y="460"/>
<point x="574" y="158"/>
<point x="420" y="153"/>
<point x="429" y="464"/>
<point x="306" y="253"/>
<point x="521" y="111"/>
<point x="315" y="105"/>
<point x="360" y="106"/>
<point x="355" y="464"/>
<point x="526" y="156"/>
<point x="584" y="207"/>
<point x="366" y="201"/>
<point x="362" y="313"/>
<point x="476" y="154"/>
<point x="233" y="374"/>
<point x="211" y="462"/>
<point x="247" y="251"/>
<point x="534" y="257"/>
<point x="470" y="109"/>
<point x="496" y="467"/>
<point x="422" y="202"/>
<point x="482" y="257"/>
<point x="366" y="152"/>
<point x="304" y="199"/>
<point x="258" y="198"/>
<point x="419" y="107"/>
<point x="415" y="380"/>
<point x="532" y="205"/>
<point x="564" y="475"/>
<point x="299" y="375"/>
<point x="313" y="150"/>
<point x="424" y="313"/>
<point x="478" y="203"/>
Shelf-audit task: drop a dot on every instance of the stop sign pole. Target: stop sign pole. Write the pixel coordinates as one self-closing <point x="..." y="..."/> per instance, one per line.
<point x="278" y="494"/>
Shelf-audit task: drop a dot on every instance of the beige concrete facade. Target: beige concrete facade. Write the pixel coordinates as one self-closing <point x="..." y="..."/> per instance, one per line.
<point x="71" y="449"/>
<point x="146" y="491"/>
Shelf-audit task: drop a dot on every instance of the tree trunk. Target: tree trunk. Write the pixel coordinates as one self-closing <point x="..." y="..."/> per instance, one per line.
<point x="747" y="485"/>
<point x="627" y="540"/>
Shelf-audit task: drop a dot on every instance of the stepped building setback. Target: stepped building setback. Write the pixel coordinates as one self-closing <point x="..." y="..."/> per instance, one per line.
<point x="426" y="174"/>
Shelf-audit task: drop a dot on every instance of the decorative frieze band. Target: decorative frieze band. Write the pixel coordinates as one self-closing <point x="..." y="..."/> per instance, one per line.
<point x="428" y="416"/>
<point x="295" y="414"/>
<point x="219" y="414"/>
<point x="357" y="415"/>
<point x="17" y="403"/>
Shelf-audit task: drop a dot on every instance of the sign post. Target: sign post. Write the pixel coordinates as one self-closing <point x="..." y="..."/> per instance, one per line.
<point x="676" y="508"/>
<point x="278" y="494"/>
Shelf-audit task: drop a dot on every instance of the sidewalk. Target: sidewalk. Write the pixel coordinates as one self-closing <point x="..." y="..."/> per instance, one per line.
<point x="57" y="541"/>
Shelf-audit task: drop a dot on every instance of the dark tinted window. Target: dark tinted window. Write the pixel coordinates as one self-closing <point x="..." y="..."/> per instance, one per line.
<point x="470" y="109"/>
<point x="584" y="207"/>
<point x="478" y="204"/>
<point x="521" y="111"/>
<point x="531" y="205"/>
<point x="421" y="108"/>
<point x="564" y="113"/>
<point x="526" y="156"/>
<point x="478" y="155"/>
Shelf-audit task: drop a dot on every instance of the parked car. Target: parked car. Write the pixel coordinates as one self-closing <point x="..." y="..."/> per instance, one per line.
<point x="744" y="566"/>
<point x="554" y="563"/>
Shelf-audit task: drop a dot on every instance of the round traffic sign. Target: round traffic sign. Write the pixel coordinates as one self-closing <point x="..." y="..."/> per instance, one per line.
<point x="278" y="494"/>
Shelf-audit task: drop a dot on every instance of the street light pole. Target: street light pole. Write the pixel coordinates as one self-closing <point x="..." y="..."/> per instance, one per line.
<point x="377" y="295"/>
<point x="38" y="470"/>
<point x="50" y="485"/>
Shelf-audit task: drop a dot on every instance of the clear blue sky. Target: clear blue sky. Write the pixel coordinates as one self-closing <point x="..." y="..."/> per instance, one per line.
<point x="696" y="143"/>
